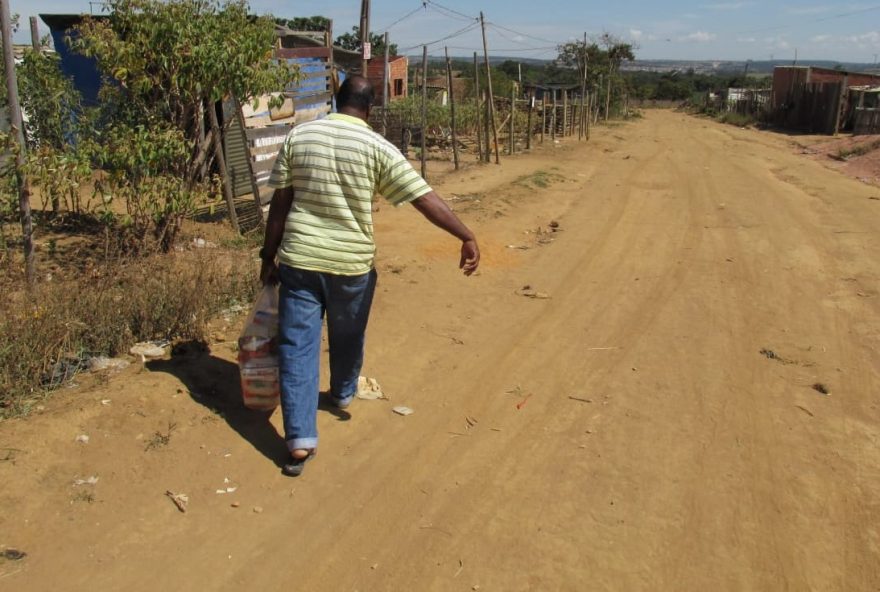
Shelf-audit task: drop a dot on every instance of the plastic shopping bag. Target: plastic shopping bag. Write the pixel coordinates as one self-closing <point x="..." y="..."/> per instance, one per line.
<point x="258" y="353"/>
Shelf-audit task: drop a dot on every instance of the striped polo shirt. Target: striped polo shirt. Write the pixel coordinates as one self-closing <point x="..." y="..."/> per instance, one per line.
<point x="335" y="166"/>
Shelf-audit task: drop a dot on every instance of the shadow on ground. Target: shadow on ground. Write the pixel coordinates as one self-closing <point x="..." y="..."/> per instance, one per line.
<point x="215" y="384"/>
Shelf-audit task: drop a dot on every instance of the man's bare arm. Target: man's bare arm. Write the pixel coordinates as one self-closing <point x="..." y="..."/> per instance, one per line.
<point x="438" y="213"/>
<point x="282" y="200"/>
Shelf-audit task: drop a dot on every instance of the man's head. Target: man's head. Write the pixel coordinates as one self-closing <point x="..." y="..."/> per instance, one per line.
<point x="355" y="97"/>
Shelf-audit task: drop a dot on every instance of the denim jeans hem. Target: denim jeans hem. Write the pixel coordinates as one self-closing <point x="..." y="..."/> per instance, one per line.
<point x="302" y="444"/>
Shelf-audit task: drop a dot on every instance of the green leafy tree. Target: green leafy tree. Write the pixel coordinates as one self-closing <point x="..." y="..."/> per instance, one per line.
<point x="352" y="41"/>
<point x="168" y="64"/>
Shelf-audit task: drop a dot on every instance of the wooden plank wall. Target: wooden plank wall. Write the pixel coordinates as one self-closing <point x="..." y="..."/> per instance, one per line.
<point x="866" y="121"/>
<point x="308" y="99"/>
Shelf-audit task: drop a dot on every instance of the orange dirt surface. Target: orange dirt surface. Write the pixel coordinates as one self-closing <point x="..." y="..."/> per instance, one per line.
<point x="652" y="424"/>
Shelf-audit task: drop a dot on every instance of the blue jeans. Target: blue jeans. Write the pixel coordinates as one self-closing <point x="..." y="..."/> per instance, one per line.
<point x="304" y="298"/>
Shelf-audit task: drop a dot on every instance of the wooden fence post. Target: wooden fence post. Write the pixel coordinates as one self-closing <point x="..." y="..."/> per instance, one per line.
<point x="35" y="34"/>
<point x="531" y="100"/>
<point x="221" y="164"/>
<point x="553" y="118"/>
<point x="424" y="110"/>
<point x="511" y="140"/>
<point x="385" y="90"/>
<point x="478" y="102"/>
<point x="543" y="114"/>
<point x="15" y="121"/>
<point x="451" y="108"/>
<point x="489" y="85"/>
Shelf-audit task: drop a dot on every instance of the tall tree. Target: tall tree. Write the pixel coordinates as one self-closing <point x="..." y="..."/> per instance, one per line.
<point x="168" y="63"/>
<point x="352" y="41"/>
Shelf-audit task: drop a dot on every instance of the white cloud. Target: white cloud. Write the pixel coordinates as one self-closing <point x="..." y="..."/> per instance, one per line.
<point x="777" y="43"/>
<point x="870" y="40"/>
<point x="638" y="35"/>
<point x="746" y="40"/>
<point x="699" y="37"/>
<point x="820" y="38"/>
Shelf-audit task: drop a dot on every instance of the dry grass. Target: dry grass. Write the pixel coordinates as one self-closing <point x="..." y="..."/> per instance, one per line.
<point x="48" y="334"/>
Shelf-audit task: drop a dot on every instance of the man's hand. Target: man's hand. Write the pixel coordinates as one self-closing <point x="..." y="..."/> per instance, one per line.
<point x="269" y="273"/>
<point x="438" y="213"/>
<point x="470" y="257"/>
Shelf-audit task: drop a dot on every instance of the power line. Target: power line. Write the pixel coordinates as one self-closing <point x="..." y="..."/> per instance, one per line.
<point x="508" y="49"/>
<point x="450" y="10"/>
<point x="424" y="6"/>
<point x="816" y="20"/>
<point x="520" y="33"/>
<point x="513" y="40"/>
<point x="458" y="33"/>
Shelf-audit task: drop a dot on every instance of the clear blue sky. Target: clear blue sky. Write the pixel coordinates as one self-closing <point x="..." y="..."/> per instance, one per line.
<point x="675" y="29"/>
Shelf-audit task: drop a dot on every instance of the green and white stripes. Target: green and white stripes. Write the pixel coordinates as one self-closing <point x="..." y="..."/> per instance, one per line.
<point x="335" y="166"/>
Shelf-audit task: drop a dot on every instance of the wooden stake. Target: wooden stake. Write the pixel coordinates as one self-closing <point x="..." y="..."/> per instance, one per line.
<point x="35" y="34"/>
<point x="221" y="164"/>
<point x="452" y="108"/>
<point x="585" y="100"/>
<point x="385" y="90"/>
<point x="531" y="100"/>
<point x="15" y="121"/>
<point x="543" y="115"/>
<point x="477" y="99"/>
<point x="608" y="96"/>
<point x="424" y="109"/>
<point x="511" y="140"/>
<point x="489" y="85"/>
<point x="553" y="118"/>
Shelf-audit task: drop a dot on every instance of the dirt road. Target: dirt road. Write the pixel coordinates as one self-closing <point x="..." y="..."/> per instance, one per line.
<point x="626" y="433"/>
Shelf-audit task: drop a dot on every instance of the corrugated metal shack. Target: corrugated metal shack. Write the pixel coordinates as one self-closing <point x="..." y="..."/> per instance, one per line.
<point x="866" y="115"/>
<point x="816" y="100"/>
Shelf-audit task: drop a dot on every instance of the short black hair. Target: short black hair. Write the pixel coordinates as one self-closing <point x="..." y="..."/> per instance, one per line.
<point x="356" y="92"/>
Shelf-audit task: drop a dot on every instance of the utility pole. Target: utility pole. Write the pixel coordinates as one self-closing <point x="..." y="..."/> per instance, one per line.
<point x="15" y="121"/>
<point x="365" y="34"/>
<point x="491" y="108"/>
<point x="452" y="108"/>
<point x="424" y="109"/>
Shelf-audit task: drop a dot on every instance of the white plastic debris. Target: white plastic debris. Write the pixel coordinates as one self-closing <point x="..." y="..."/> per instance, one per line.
<point x="402" y="410"/>
<point x="181" y="500"/>
<point x="99" y="363"/>
<point x="369" y="389"/>
<point x="87" y="481"/>
<point x="147" y="350"/>
<point x="82" y="439"/>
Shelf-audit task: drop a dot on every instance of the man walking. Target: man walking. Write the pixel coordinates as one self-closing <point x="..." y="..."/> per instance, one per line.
<point x="320" y="229"/>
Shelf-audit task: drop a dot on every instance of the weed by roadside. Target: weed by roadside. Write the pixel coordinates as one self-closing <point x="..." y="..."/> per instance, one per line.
<point x="539" y="179"/>
<point x="860" y="150"/>
<point x="737" y="119"/>
<point x="49" y="333"/>
<point x="160" y="438"/>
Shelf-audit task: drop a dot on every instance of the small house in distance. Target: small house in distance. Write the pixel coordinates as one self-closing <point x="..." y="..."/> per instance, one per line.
<point x="397" y="71"/>
<point x="814" y="99"/>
